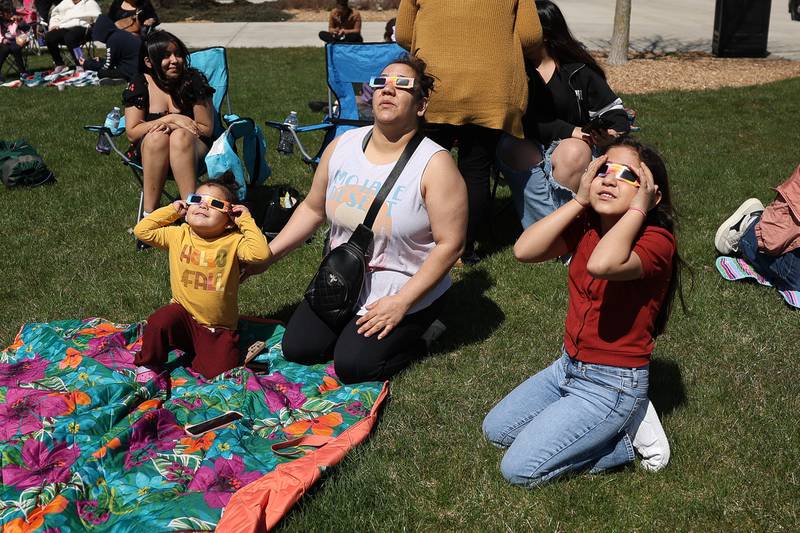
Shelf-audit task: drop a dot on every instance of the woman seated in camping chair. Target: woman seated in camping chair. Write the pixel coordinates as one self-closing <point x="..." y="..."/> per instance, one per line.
<point x="13" y="38"/>
<point x="70" y="26"/>
<point x="168" y="118"/>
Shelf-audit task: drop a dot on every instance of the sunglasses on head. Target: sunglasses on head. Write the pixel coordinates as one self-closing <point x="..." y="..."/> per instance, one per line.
<point x="621" y="172"/>
<point x="401" y="82"/>
<point x="210" y="201"/>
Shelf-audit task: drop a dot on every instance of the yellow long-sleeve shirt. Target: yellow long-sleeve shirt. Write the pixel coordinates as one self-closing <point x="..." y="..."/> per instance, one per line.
<point x="476" y="50"/>
<point x="204" y="273"/>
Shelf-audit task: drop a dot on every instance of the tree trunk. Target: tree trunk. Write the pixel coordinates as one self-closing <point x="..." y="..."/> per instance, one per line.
<point x="620" y="38"/>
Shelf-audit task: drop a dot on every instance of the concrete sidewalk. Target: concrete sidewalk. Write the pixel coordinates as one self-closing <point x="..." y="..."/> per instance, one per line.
<point x="655" y="24"/>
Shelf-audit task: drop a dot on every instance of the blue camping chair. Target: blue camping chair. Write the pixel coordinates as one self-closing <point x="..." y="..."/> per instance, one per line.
<point x="213" y="63"/>
<point x="348" y="67"/>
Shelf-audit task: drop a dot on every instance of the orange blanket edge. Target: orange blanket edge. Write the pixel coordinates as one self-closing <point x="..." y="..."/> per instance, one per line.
<point x="261" y="504"/>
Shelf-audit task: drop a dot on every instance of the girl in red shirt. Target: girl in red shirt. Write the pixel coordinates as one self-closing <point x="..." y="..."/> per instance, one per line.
<point x="589" y="409"/>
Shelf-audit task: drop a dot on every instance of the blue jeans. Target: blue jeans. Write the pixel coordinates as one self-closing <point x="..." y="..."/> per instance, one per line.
<point x="534" y="192"/>
<point x="783" y="271"/>
<point x="569" y="417"/>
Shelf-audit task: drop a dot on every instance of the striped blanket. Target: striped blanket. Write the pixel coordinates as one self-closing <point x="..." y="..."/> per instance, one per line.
<point x="735" y="268"/>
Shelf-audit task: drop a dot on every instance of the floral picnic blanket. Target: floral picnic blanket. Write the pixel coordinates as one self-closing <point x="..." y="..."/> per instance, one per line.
<point x="85" y="447"/>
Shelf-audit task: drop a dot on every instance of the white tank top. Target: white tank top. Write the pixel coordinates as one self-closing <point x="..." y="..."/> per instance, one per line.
<point x="402" y="229"/>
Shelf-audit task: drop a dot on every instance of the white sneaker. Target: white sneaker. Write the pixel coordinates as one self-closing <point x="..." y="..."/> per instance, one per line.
<point x="730" y="232"/>
<point x="649" y="439"/>
<point x="433" y="332"/>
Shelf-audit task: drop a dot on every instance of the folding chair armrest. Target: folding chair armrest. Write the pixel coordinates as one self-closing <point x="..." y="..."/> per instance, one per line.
<point x="276" y="125"/>
<point x="102" y="130"/>
<point x="280" y="126"/>
<point x="300" y="129"/>
<point x="97" y="129"/>
<point x="314" y="127"/>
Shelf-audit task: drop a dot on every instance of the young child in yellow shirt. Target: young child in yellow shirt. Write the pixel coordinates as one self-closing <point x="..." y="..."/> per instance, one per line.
<point x="204" y="256"/>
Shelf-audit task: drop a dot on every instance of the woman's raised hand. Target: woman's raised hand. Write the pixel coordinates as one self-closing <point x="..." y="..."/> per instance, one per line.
<point x="382" y="316"/>
<point x="648" y="195"/>
<point x="582" y="196"/>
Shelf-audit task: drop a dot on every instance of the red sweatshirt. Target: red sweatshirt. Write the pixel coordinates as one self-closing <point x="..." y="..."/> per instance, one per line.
<point x="612" y="322"/>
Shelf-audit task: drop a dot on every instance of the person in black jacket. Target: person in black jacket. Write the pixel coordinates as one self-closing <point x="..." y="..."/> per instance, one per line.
<point x="143" y="10"/>
<point x="123" y="51"/>
<point x="571" y="115"/>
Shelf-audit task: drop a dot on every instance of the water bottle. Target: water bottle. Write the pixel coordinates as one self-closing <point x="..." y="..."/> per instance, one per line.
<point x="112" y="123"/>
<point x="112" y="120"/>
<point x="286" y="141"/>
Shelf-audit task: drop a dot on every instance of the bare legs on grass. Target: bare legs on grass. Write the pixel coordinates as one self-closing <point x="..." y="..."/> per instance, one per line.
<point x="179" y="151"/>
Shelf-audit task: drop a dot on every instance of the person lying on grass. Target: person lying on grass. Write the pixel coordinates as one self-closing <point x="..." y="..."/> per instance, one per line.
<point x="205" y="253"/>
<point x="767" y="238"/>
<point x="580" y="413"/>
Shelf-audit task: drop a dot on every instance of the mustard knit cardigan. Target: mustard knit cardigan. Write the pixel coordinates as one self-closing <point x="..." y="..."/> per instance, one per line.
<point x="476" y="51"/>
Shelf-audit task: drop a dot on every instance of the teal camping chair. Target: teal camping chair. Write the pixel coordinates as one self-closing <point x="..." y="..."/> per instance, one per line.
<point x="213" y="63"/>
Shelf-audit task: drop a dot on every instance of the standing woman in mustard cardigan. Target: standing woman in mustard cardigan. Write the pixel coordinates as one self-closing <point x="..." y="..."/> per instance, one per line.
<point x="476" y="51"/>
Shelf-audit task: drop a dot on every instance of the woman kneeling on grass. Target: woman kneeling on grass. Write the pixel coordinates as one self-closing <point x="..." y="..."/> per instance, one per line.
<point x="418" y="233"/>
<point x="169" y="118"/>
<point x="580" y="413"/>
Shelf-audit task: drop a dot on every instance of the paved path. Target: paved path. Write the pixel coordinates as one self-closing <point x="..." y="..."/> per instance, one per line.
<point x="659" y="24"/>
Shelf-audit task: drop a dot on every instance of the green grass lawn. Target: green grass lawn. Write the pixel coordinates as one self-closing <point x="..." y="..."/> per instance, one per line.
<point x="721" y="376"/>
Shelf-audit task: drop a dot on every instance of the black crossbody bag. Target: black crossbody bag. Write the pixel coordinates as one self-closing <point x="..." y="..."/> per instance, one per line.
<point x="334" y="290"/>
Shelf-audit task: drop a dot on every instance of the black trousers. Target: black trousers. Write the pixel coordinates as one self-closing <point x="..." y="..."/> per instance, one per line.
<point x="476" y="147"/>
<point x="71" y="37"/>
<point x="329" y="37"/>
<point x="14" y="50"/>
<point x="356" y="358"/>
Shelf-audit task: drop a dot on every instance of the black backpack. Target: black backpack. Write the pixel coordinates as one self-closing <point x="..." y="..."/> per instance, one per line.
<point x="272" y="207"/>
<point x="20" y="165"/>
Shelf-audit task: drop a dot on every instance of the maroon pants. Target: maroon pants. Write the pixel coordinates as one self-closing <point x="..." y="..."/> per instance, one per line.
<point x="172" y="327"/>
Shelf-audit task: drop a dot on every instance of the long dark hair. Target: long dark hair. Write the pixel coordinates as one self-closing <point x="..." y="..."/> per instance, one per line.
<point x="559" y="41"/>
<point x="664" y="216"/>
<point x="156" y="48"/>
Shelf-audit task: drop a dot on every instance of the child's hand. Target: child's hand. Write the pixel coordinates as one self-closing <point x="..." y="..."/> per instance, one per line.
<point x="239" y="209"/>
<point x="181" y="207"/>
<point x="582" y="196"/>
<point x="648" y="195"/>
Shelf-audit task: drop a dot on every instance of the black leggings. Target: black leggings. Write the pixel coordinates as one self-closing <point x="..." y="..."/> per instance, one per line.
<point x="356" y="358"/>
<point x="329" y="37"/>
<point x="476" y="153"/>
<point x="71" y="37"/>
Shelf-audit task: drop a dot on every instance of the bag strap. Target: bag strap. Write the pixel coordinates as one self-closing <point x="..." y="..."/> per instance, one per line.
<point x="409" y="150"/>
